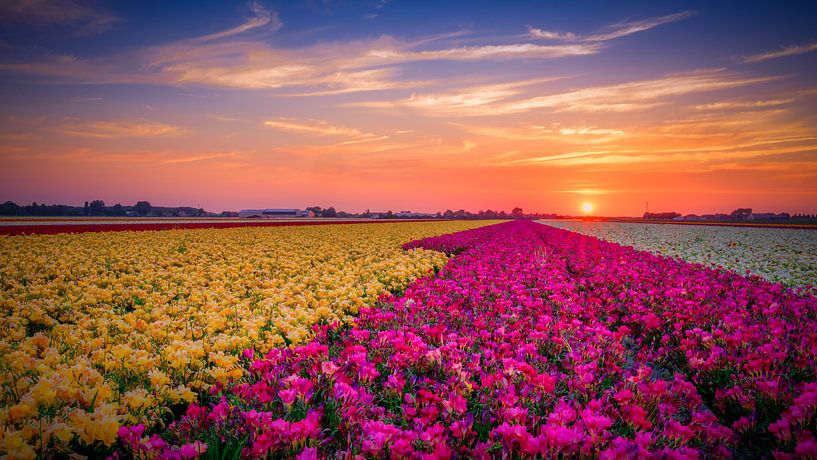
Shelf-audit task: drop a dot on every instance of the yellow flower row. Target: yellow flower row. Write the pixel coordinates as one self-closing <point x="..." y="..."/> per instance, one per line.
<point x="101" y="329"/>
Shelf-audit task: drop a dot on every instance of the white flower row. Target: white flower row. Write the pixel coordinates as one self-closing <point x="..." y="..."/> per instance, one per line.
<point x="787" y="256"/>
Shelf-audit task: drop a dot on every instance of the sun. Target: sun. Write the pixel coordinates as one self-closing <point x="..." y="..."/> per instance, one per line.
<point x="587" y="207"/>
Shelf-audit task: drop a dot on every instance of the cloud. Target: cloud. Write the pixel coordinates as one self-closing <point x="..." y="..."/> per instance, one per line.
<point x="460" y="102"/>
<point x="119" y="129"/>
<point x="580" y="158"/>
<point x="261" y="18"/>
<point x="225" y="59"/>
<point x="590" y="131"/>
<point x="85" y="19"/>
<point x="509" y="98"/>
<point x="550" y="35"/>
<point x="555" y="133"/>
<point x="792" y="50"/>
<point x="635" y="95"/>
<point x="702" y="141"/>
<point x="487" y="52"/>
<point x="198" y="157"/>
<point x="611" y="32"/>
<point x="317" y="127"/>
<point x="729" y="105"/>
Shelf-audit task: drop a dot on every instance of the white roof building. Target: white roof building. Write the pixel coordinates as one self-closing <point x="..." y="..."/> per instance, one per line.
<point x="275" y="212"/>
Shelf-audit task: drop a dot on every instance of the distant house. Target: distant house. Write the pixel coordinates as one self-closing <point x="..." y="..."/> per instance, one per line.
<point x="769" y="216"/>
<point x="274" y="213"/>
<point x="413" y="215"/>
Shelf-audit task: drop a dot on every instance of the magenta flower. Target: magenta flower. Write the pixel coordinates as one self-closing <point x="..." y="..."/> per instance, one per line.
<point x="532" y="341"/>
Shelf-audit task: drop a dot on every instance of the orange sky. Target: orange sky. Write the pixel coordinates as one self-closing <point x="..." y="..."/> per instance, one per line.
<point x="250" y="114"/>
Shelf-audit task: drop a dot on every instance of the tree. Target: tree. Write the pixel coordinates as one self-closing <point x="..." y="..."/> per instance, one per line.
<point x="517" y="212"/>
<point x="741" y="213"/>
<point x="9" y="208"/>
<point x="142" y="208"/>
<point x="330" y="212"/>
<point x="118" y="210"/>
<point x="96" y="208"/>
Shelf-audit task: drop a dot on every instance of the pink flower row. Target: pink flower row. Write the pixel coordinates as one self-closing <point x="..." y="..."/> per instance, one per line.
<point x="532" y="341"/>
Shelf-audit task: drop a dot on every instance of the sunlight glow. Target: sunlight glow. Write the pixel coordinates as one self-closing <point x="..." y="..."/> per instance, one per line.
<point x="587" y="207"/>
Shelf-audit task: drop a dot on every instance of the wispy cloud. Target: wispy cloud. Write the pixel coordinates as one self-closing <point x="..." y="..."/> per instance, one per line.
<point x="611" y="32"/>
<point x="471" y="100"/>
<point x="261" y="17"/>
<point x="119" y="129"/>
<point x="317" y="127"/>
<point x="509" y="98"/>
<point x="792" y="50"/>
<point x="551" y="35"/>
<point x="84" y="18"/>
<point x="486" y="52"/>
<point x="635" y="95"/>
<point x="184" y="158"/>
<point x="580" y="158"/>
<point x="239" y="57"/>
<point x="555" y="133"/>
<point x="730" y="105"/>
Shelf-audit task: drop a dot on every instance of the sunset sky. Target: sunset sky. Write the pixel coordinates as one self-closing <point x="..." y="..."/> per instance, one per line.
<point x="409" y="105"/>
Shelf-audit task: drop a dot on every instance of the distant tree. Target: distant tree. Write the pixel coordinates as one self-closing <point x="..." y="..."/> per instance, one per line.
<point x="85" y="209"/>
<point x="516" y="212"/>
<point x="200" y="212"/>
<point x="96" y="208"/>
<point x="142" y="208"/>
<point x="329" y="212"/>
<point x="10" y="208"/>
<point x="118" y="210"/>
<point x="448" y="214"/>
<point x="661" y="215"/>
<point x="741" y="213"/>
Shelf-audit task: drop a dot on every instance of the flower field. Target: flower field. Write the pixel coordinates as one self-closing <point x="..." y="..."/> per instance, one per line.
<point x="531" y="341"/>
<point x="104" y="329"/>
<point x="503" y="341"/>
<point x="787" y="256"/>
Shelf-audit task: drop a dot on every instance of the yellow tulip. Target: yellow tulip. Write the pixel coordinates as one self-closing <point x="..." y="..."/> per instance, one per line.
<point x="106" y="328"/>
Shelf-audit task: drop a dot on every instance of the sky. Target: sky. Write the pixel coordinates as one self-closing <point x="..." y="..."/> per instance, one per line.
<point x="692" y="107"/>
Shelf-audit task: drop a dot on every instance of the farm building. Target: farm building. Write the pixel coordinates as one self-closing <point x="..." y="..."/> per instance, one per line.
<point x="273" y="213"/>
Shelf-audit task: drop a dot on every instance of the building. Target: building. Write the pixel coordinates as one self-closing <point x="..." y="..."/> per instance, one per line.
<point x="274" y="213"/>
<point x="414" y="215"/>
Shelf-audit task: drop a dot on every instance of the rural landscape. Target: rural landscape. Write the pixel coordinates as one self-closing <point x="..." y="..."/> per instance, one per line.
<point x="408" y="230"/>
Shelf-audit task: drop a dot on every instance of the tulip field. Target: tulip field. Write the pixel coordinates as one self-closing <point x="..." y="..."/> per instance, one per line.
<point x="101" y="330"/>
<point x="787" y="256"/>
<point x="397" y="340"/>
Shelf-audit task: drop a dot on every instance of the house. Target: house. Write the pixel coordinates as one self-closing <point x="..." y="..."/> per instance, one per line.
<point x="413" y="215"/>
<point x="274" y="213"/>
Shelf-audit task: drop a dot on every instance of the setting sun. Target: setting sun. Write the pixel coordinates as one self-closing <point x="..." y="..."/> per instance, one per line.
<point x="587" y="207"/>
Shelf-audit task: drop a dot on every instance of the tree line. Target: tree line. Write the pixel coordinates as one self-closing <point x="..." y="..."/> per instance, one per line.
<point x="99" y="208"/>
